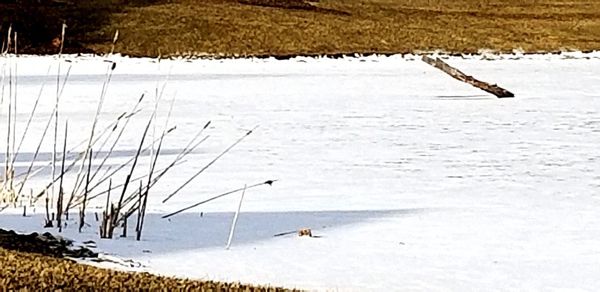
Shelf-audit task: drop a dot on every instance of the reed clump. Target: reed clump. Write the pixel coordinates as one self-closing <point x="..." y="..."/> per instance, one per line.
<point x="86" y="162"/>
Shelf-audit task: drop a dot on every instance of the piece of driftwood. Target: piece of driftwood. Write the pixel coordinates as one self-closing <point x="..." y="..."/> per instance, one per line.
<point x="457" y="74"/>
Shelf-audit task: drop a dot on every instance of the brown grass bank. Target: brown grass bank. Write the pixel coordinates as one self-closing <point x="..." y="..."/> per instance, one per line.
<point x="34" y="272"/>
<point x="292" y="27"/>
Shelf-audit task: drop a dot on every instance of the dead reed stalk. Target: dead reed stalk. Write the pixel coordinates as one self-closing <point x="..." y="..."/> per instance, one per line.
<point x="208" y="165"/>
<point x="104" y="226"/>
<point x="109" y="72"/>
<point x="59" y="203"/>
<point x="128" y="178"/>
<point x="87" y="183"/>
<point x="269" y="182"/>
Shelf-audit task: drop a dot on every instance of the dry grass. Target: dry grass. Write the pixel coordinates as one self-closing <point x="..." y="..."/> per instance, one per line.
<point x="32" y="272"/>
<point x="268" y="27"/>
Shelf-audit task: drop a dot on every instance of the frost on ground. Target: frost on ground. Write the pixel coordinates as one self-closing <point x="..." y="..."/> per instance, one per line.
<point x="411" y="180"/>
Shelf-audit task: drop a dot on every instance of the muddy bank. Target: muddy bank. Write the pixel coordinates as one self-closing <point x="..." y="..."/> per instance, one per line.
<point x="45" y="244"/>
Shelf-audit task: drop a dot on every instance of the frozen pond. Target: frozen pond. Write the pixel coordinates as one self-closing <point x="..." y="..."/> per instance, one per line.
<point x="507" y="190"/>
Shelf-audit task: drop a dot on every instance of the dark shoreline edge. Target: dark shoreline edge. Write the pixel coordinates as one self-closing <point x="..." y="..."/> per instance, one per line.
<point x="341" y="55"/>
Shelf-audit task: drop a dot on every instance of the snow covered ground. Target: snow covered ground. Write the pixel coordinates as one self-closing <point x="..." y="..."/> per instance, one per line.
<point x="412" y="180"/>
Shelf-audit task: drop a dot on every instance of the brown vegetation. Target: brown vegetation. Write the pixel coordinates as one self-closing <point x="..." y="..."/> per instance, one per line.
<point x="293" y="5"/>
<point x="290" y="27"/>
<point x="32" y="272"/>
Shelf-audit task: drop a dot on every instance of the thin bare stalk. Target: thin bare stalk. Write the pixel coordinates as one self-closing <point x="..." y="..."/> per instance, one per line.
<point x="8" y="40"/>
<point x="87" y="183"/>
<point x="269" y="182"/>
<point x="7" y="192"/>
<point x="62" y="39"/>
<point x="138" y="234"/>
<point x="14" y="122"/>
<point x="154" y="159"/>
<point x="114" y="187"/>
<point x="120" y="204"/>
<point x="187" y="147"/>
<point x="186" y="150"/>
<point x="80" y="154"/>
<point x="48" y="220"/>
<point x="110" y="128"/>
<point x="169" y="167"/>
<point x="78" y="185"/>
<point x="112" y="49"/>
<point x="106" y="215"/>
<point x="109" y="173"/>
<point x="8" y="128"/>
<point x="31" y="115"/>
<point x="143" y="214"/>
<point x="57" y="178"/>
<point x="56" y="111"/>
<point x="59" y="204"/>
<point x="208" y="165"/>
<point x="112" y="147"/>
<point x="235" y="218"/>
<point x="93" y="128"/>
<point x="42" y="138"/>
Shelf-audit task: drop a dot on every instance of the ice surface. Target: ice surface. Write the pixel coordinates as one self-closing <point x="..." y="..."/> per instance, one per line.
<point x="414" y="180"/>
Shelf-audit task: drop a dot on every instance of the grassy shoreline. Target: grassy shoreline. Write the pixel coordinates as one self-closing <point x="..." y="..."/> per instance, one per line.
<point x="35" y="272"/>
<point x="269" y="28"/>
<point x="230" y="29"/>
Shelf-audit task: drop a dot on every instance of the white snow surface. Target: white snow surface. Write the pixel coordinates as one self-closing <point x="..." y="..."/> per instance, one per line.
<point x="411" y="180"/>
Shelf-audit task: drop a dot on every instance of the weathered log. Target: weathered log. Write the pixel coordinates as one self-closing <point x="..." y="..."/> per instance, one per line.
<point x="457" y="74"/>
